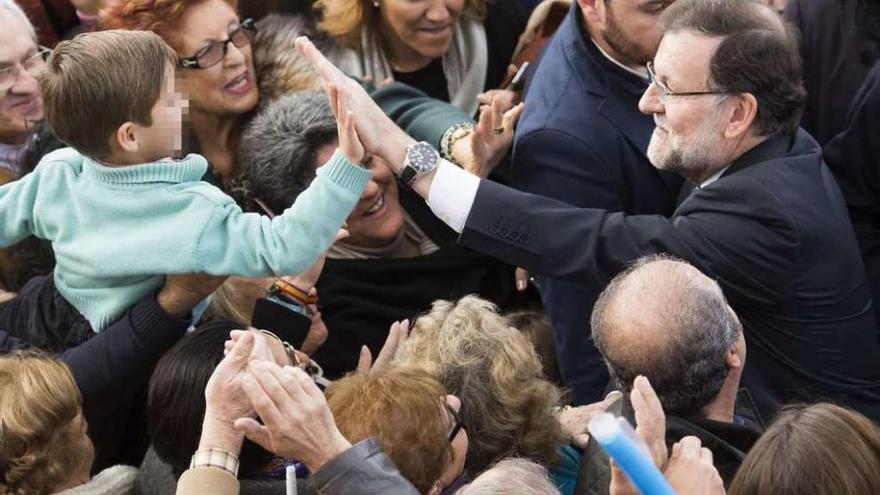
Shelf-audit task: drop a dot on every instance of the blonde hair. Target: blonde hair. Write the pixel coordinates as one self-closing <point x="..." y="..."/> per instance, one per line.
<point x="346" y="19"/>
<point x="507" y="402"/>
<point x="96" y="82"/>
<point x="40" y="400"/>
<point x="402" y="408"/>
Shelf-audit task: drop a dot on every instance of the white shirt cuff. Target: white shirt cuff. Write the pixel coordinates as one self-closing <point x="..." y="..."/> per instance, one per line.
<point x="452" y="194"/>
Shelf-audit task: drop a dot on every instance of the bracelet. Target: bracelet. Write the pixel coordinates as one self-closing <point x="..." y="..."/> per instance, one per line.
<point x="288" y="349"/>
<point x="452" y="135"/>
<point x="295" y="292"/>
<point x="216" y="458"/>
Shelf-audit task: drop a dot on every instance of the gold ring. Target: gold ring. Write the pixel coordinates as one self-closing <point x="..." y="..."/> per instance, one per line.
<point x="500" y="130"/>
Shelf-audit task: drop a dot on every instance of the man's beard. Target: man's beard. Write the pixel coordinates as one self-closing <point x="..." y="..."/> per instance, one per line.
<point x="628" y="52"/>
<point x="689" y="158"/>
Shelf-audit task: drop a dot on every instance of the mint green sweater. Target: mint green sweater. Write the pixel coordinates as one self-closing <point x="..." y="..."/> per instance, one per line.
<point x="117" y="231"/>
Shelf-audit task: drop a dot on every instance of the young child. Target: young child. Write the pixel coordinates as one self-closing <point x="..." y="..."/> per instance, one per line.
<point x="121" y="215"/>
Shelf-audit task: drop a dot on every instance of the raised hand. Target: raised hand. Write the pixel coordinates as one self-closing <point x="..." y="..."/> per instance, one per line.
<point x="349" y="142"/>
<point x="297" y="424"/>
<point x="490" y="140"/>
<point x="690" y="470"/>
<point x="397" y="335"/>
<point x="378" y="133"/>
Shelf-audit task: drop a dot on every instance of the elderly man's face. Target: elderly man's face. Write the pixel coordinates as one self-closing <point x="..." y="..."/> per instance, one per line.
<point x="20" y="104"/>
<point x="688" y="138"/>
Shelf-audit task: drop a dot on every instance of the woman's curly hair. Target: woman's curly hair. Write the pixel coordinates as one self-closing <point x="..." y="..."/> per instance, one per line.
<point x="507" y="403"/>
<point x="39" y="450"/>
<point x="158" y="16"/>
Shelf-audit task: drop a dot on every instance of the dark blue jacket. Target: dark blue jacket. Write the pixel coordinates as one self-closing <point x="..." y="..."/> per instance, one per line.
<point x="582" y="140"/>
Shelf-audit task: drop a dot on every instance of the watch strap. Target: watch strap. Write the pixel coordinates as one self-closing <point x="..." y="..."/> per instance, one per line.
<point x="407" y="175"/>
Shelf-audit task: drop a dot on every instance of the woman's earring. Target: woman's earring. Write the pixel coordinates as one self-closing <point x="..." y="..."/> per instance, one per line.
<point x="376" y="3"/>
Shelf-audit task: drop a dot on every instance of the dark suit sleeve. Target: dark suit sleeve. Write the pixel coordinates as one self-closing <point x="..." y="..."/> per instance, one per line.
<point x="555" y="164"/>
<point x="730" y="232"/>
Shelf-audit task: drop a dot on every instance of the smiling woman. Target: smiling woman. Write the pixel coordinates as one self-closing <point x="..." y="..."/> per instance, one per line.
<point x="451" y="49"/>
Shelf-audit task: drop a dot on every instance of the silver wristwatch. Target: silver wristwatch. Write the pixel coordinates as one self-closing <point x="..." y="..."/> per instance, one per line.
<point x="421" y="159"/>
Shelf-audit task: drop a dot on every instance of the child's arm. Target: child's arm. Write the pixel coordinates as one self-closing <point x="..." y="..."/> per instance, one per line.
<point x="252" y="245"/>
<point x="17" y="200"/>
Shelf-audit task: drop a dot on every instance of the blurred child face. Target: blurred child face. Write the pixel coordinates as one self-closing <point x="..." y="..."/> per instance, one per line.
<point x="164" y="138"/>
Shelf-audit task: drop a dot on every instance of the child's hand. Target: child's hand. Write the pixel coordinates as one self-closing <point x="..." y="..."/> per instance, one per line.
<point x="349" y="142"/>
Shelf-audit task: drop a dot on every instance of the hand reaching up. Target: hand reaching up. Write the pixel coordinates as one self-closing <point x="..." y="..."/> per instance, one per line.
<point x="349" y="142"/>
<point x="490" y="140"/>
<point x="397" y="335"/>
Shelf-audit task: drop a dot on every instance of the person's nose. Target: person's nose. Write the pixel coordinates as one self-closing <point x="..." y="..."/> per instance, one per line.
<point x="372" y="190"/>
<point x="650" y="102"/>
<point x="438" y="11"/>
<point x="234" y="56"/>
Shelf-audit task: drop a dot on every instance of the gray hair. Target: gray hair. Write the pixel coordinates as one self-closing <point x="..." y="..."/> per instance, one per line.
<point x="278" y="150"/>
<point x="687" y="312"/>
<point x="512" y="477"/>
<point x="13" y="7"/>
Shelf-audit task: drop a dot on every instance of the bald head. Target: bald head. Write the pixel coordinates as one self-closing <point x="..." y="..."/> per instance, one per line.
<point x="664" y="319"/>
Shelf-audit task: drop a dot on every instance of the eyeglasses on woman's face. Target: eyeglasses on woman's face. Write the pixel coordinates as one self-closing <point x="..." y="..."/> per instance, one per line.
<point x="213" y="53"/>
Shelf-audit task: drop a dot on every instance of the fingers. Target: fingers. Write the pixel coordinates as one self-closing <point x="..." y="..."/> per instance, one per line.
<point x="365" y="361"/>
<point x="262" y="403"/>
<point x="511" y="117"/>
<point x="650" y="420"/>
<point x="522" y="279"/>
<point x="241" y="351"/>
<point x="322" y="66"/>
<point x="497" y="113"/>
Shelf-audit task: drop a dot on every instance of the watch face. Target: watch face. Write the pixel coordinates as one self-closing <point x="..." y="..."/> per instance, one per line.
<point x="422" y="157"/>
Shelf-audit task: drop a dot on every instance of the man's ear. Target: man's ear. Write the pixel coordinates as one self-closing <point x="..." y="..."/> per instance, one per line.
<point x="126" y="137"/>
<point x="594" y="11"/>
<point x="742" y="116"/>
<point x="732" y="359"/>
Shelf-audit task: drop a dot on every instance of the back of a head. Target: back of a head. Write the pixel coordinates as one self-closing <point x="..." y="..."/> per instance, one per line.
<point x="663" y="319"/>
<point x="512" y="477"/>
<point x="281" y="70"/>
<point x="402" y="408"/>
<point x="39" y="448"/>
<point x="176" y="397"/>
<point x="759" y="55"/>
<point x="96" y="82"/>
<point x="506" y="401"/>
<point x="279" y="149"/>
<point x="822" y="448"/>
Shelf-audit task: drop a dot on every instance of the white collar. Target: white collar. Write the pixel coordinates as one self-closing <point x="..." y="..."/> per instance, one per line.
<point x="639" y="71"/>
<point x="717" y="175"/>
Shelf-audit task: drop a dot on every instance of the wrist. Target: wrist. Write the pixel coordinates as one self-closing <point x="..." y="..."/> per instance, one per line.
<point x="174" y="303"/>
<point x="394" y="151"/>
<point x="218" y="433"/>
<point x="328" y="451"/>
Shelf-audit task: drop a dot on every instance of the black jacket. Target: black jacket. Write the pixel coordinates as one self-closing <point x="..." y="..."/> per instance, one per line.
<point x="773" y="231"/>
<point x="854" y="157"/>
<point x="582" y="140"/>
<point x="729" y="443"/>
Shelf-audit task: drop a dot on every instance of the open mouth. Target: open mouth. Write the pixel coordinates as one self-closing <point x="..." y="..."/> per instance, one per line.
<point x="240" y="84"/>
<point x="375" y="207"/>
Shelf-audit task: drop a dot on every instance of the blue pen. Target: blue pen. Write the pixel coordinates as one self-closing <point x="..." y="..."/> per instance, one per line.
<point x="620" y="441"/>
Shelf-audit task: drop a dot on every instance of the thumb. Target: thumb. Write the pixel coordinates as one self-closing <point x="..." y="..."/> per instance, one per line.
<point x="255" y="432"/>
<point x="242" y="349"/>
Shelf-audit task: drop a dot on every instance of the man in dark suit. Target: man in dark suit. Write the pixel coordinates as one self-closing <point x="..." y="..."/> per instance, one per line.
<point x="765" y="217"/>
<point x="582" y="140"/>
<point x="854" y="157"/>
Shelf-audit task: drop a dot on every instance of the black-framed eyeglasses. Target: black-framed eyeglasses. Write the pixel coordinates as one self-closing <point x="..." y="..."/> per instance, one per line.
<point x="665" y="92"/>
<point x="33" y="65"/>
<point x="457" y="423"/>
<point x="211" y="55"/>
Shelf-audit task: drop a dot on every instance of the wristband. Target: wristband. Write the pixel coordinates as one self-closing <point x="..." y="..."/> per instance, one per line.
<point x="295" y="292"/>
<point x="453" y="135"/>
<point x="216" y="458"/>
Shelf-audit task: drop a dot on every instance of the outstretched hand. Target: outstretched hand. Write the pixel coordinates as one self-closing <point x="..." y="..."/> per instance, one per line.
<point x="349" y="142"/>
<point x="490" y="140"/>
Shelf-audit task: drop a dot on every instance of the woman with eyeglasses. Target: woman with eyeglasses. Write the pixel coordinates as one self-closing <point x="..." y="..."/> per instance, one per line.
<point x="216" y="67"/>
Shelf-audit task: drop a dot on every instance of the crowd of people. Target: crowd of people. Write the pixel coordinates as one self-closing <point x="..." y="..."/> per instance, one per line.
<point x="417" y="246"/>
